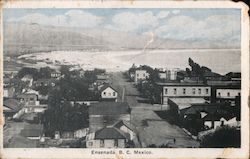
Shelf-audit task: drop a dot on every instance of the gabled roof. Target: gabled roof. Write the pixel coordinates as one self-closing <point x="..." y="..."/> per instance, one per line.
<point x="109" y="108"/>
<point x="120" y="123"/>
<point x="209" y="108"/>
<point x="105" y="86"/>
<point x="110" y="133"/>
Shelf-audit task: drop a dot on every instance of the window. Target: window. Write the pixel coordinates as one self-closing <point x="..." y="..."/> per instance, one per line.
<point x="31" y="99"/>
<point x="113" y="93"/>
<point x="90" y="143"/>
<point x="206" y="90"/>
<point x="116" y="143"/>
<point x="219" y="94"/>
<point x="101" y="143"/>
<point x="193" y="90"/>
<point x="104" y="93"/>
<point x="239" y="94"/>
<point x="144" y="75"/>
<point x="228" y="94"/>
<point x="175" y="90"/>
<point x="184" y="90"/>
<point x="199" y="91"/>
<point x="137" y="74"/>
<point x="166" y="91"/>
<point x="109" y="94"/>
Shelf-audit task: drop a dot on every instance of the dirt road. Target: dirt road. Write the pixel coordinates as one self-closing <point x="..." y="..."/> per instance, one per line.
<point x="150" y="128"/>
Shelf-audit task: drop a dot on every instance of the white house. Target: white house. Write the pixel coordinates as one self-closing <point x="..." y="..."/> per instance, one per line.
<point x="141" y="75"/>
<point x="108" y="137"/>
<point x="125" y="127"/>
<point x="108" y="93"/>
<point x="227" y="93"/>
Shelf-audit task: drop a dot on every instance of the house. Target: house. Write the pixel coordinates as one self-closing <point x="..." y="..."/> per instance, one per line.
<point x="183" y="103"/>
<point x="55" y="74"/>
<point x="233" y="76"/>
<point x="101" y="79"/>
<point x="108" y="137"/>
<point x="212" y="121"/>
<point x="39" y="108"/>
<point x="6" y="81"/>
<point x="108" y="93"/>
<point x="8" y="92"/>
<point x="45" y="82"/>
<point x="107" y="113"/>
<point x="184" y="90"/>
<point x="32" y="132"/>
<point x="126" y="127"/>
<point x="28" y="79"/>
<point x="227" y="93"/>
<point x="171" y="74"/>
<point x="162" y="74"/>
<point x="140" y="75"/>
<point x="28" y="99"/>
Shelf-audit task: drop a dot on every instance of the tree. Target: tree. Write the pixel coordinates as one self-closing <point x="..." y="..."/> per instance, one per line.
<point x="28" y="71"/>
<point x="45" y="72"/>
<point x="223" y="137"/>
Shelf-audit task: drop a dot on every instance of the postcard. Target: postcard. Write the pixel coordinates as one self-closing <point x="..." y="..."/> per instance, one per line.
<point x="124" y="79"/>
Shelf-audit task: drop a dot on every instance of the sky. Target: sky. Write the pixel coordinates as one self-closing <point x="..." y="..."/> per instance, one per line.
<point x="179" y="24"/>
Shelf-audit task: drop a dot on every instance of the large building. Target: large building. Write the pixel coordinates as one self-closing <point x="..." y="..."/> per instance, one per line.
<point x="140" y="75"/>
<point x="172" y="73"/>
<point x="107" y="113"/>
<point x="181" y="90"/>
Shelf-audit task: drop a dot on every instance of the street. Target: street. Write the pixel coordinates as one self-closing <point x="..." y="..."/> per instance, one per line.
<point x="150" y="128"/>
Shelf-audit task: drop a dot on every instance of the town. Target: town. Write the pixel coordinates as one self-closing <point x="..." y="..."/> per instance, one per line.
<point x="142" y="107"/>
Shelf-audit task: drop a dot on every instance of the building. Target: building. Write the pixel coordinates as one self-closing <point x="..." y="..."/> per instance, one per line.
<point x="181" y="90"/>
<point x="45" y="82"/>
<point x="126" y="127"/>
<point x="162" y="74"/>
<point x="108" y="93"/>
<point x="172" y="73"/>
<point x="102" y="79"/>
<point x="214" y="121"/>
<point x="28" y="99"/>
<point x="140" y="75"/>
<point x="183" y="103"/>
<point x="8" y="92"/>
<point x="108" y="137"/>
<point x="233" y="76"/>
<point x="55" y="74"/>
<point x="28" y="79"/>
<point x="39" y="108"/>
<point x="107" y="113"/>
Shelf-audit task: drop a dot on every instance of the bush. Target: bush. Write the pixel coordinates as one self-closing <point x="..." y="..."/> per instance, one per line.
<point x="223" y="137"/>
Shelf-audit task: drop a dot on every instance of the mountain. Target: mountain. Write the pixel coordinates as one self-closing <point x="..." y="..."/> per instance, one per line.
<point x="27" y="38"/>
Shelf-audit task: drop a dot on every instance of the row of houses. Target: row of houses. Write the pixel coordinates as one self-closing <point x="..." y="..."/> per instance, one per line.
<point x="202" y="103"/>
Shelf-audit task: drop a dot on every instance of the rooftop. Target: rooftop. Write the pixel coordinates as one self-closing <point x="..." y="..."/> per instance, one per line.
<point x="187" y="102"/>
<point x="179" y="84"/>
<point x="12" y="104"/>
<point x="110" y="133"/>
<point x="109" y="108"/>
<point x="106" y="86"/>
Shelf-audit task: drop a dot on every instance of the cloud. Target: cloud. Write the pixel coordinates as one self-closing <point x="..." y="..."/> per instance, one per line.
<point x="74" y="18"/>
<point x="213" y="28"/>
<point x="128" y="21"/>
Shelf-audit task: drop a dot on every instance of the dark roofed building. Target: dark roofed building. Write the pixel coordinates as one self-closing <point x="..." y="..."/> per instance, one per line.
<point x="107" y="113"/>
<point x="109" y="133"/>
<point x="108" y="137"/>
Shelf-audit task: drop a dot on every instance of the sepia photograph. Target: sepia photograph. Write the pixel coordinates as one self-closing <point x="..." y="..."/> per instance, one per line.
<point x="132" y="78"/>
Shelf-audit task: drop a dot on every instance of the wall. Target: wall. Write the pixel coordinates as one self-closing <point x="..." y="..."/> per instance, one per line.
<point x="223" y="93"/>
<point x="109" y="93"/>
